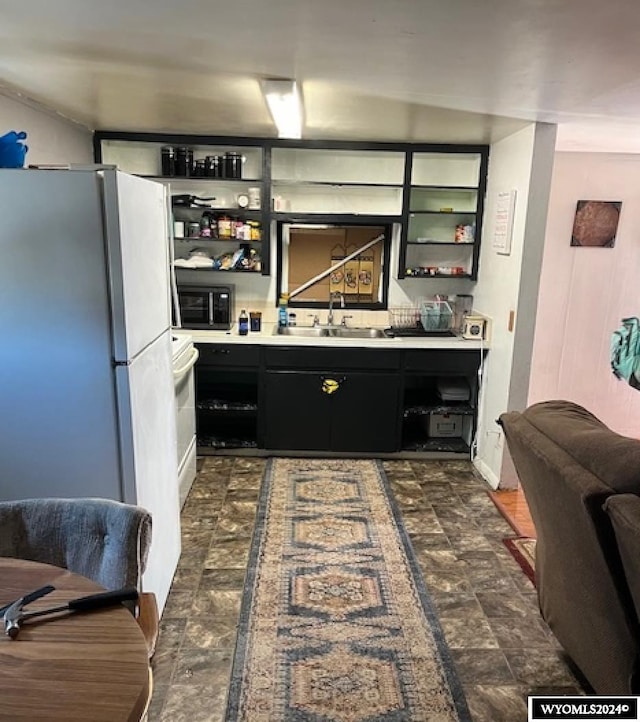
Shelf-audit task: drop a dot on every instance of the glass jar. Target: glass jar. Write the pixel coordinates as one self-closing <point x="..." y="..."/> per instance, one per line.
<point x="256" y="231"/>
<point x="224" y="227"/>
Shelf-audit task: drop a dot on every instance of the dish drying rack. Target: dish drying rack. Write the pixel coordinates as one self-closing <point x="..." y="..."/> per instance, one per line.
<point x="428" y="314"/>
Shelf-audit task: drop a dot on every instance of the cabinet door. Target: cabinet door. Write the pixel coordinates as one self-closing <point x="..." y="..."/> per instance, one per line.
<point x="365" y="412"/>
<point x="298" y="411"/>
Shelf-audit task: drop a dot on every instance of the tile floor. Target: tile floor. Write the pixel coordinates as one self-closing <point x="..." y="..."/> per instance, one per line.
<point x="488" y="609"/>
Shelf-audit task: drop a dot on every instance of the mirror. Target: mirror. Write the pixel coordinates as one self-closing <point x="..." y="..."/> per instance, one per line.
<point x="307" y="250"/>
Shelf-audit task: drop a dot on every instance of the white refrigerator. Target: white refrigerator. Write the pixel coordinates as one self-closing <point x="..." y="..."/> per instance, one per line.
<point x="87" y="403"/>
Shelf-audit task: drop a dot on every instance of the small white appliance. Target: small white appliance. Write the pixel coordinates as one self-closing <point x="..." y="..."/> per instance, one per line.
<point x="473" y="327"/>
<point x="185" y="356"/>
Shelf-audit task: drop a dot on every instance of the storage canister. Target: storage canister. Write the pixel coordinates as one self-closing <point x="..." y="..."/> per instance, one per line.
<point x="213" y="166"/>
<point x="255" y="320"/>
<point x="184" y="161"/>
<point x="179" y="229"/>
<point x="168" y="160"/>
<point x="232" y="164"/>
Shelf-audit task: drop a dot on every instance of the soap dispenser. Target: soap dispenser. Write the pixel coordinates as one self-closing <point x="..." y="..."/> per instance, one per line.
<point x="283" y="318"/>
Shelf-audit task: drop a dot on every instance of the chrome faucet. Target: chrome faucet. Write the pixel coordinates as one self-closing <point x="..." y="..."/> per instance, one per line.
<point x="332" y="297"/>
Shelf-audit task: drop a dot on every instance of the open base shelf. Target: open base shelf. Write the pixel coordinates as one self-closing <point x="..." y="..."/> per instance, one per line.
<point x="225" y="406"/>
<point x="452" y="446"/>
<point x="207" y="443"/>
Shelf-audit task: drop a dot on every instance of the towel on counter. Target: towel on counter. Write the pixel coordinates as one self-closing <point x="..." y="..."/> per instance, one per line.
<point x="194" y="262"/>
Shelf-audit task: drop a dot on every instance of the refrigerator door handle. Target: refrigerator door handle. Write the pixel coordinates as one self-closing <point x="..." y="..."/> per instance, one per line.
<point x="211" y="309"/>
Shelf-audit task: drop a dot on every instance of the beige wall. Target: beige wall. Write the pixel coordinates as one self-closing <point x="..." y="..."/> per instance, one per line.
<point x="584" y="292"/>
<point x="522" y="163"/>
<point x="51" y="138"/>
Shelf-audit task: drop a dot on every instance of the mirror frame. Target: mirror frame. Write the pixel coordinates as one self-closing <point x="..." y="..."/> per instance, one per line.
<point x="387" y="229"/>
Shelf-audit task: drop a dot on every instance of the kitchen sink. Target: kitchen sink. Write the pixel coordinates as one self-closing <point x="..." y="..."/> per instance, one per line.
<point x="346" y="332"/>
<point x="330" y="332"/>
<point x="309" y="331"/>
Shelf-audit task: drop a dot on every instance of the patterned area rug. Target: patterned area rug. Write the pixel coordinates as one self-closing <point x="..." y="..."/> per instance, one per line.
<point x="524" y="551"/>
<point x="336" y="624"/>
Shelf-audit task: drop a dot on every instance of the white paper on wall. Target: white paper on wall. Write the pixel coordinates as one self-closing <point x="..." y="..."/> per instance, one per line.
<point x="503" y="225"/>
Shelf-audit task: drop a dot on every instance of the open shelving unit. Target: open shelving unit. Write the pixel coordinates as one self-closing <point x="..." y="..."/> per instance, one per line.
<point x="443" y="211"/>
<point x="141" y="154"/>
<point x="421" y="401"/>
<point x="425" y="189"/>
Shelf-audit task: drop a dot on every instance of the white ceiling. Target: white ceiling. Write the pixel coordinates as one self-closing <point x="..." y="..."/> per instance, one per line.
<point x="426" y="70"/>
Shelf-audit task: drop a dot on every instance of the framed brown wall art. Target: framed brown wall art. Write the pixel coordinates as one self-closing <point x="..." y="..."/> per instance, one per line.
<point x="596" y="223"/>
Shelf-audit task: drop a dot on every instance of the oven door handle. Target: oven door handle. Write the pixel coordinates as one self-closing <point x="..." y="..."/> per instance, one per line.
<point x="179" y="373"/>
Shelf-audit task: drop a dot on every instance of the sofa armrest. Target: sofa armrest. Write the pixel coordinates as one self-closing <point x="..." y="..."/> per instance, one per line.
<point x="624" y="512"/>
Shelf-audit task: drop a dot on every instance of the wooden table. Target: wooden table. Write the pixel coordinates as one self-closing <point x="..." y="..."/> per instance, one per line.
<point x="84" y="667"/>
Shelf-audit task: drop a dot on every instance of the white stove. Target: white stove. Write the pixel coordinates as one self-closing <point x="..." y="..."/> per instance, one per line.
<point x="185" y="356"/>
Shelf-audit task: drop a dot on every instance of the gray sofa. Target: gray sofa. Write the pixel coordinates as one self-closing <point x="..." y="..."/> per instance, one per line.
<point x="581" y="482"/>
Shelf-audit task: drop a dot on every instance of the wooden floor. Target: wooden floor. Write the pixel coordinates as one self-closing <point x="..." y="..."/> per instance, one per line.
<point x="513" y="507"/>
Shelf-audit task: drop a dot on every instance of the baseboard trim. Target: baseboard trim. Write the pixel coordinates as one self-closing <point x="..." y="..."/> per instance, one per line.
<point x="486" y="473"/>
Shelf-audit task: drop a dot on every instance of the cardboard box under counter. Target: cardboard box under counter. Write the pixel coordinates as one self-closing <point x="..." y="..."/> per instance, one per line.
<point x="443" y="426"/>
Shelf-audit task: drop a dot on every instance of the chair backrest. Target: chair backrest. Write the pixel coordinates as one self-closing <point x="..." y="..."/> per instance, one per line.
<point x="104" y="540"/>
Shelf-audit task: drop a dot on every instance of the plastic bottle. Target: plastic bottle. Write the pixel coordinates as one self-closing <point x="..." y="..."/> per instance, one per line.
<point x="243" y="323"/>
<point x="283" y="318"/>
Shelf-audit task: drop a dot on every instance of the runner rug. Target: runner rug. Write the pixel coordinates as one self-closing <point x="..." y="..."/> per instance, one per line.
<point x="336" y="623"/>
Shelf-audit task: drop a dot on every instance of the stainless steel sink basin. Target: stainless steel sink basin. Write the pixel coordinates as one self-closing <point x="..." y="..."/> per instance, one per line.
<point x="309" y="331"/>
<point x="346" y="332"/>
<point x="330" y="332"/>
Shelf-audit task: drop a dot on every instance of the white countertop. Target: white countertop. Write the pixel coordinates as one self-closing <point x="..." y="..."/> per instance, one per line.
<point x="269" y="337"/>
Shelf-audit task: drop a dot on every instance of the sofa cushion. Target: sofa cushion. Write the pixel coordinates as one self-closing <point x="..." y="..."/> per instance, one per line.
<point x="613" y="458"/>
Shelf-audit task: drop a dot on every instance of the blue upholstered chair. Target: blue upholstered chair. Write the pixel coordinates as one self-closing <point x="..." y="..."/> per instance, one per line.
<point x="104" y="540"/>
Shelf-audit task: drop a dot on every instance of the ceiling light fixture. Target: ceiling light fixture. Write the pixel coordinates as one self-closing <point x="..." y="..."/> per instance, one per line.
<point x="285" y="105"/>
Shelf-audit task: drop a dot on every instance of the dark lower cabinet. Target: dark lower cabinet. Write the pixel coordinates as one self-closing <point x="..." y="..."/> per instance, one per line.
<point x="332" y="411"/>
<point x="227" y="390"/>
<point x="297" y="412"/>
<point x="365" y="413"/>
<point x="333" y="399"/>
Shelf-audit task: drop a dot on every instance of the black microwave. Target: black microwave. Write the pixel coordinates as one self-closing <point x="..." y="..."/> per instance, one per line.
<point x="206" y="307"/>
